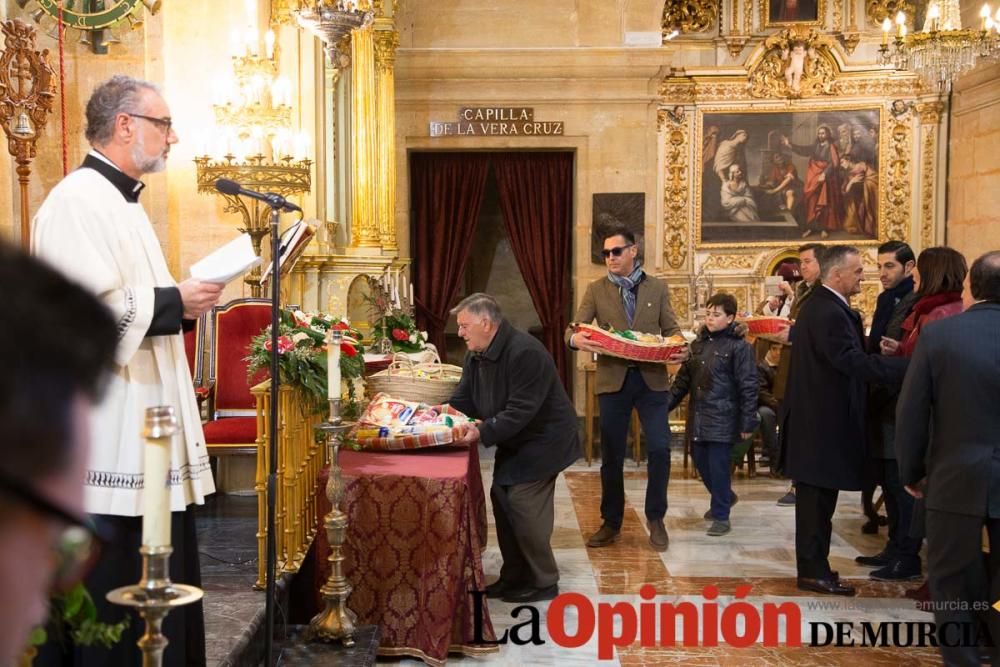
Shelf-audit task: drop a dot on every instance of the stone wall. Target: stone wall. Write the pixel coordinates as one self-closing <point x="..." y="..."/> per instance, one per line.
<point x="974" y="164"/>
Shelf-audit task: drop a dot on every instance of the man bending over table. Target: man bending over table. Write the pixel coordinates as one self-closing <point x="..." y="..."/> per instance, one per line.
<point x="510" y="385"/>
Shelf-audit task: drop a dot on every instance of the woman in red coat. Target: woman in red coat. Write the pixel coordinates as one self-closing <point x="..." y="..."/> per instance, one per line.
<point x="937" y="282"/>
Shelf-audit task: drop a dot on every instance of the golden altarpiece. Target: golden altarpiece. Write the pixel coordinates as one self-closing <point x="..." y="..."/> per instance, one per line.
<point x="773" y="72"/>
<point x="356" y="171"/>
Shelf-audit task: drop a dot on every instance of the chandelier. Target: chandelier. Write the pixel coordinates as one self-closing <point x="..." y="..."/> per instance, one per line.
<point x="943" y="50"/>
<point x="332" y="21"/>
<point x="252" y="142"/>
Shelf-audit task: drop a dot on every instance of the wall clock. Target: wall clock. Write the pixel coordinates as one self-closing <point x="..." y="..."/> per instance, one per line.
<point x="95" y="18"/>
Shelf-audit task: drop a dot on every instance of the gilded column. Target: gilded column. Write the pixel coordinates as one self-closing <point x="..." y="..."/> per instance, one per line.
<point x="930" y="117"/>
<point x="386" y="41"/>
<point x="364" y="224"/>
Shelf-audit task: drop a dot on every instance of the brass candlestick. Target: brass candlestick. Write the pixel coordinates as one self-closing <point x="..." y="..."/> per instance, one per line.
<point x="336" y="621"/>
<point x="154" y="597"/>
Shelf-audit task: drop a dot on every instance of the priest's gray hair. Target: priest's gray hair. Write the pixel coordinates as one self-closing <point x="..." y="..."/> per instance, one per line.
<point x="479" y="305"/>
<point x="119" y="94"/>
<point x="834" y="257"/>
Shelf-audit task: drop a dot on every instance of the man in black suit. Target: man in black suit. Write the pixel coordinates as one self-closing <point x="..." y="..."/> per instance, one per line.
<point x="948" y="432"/>
<point x="824" y="424"/>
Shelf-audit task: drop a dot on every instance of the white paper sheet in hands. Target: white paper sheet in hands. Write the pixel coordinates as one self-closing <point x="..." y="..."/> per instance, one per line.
<point x="228" y="262"/>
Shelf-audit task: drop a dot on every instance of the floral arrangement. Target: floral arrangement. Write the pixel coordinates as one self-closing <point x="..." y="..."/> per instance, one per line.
<point x="302" y="355"/>
<point x="401" y="330"/>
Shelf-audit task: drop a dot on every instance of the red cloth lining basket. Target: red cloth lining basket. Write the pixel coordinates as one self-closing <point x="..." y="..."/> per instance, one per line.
<point x="616" y="346"/>
<point x="766" y="325"/>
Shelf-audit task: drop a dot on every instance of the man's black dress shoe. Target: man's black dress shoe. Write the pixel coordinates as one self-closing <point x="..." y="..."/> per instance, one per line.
<point x="881" y="559"/>
<point x="531" y="594"/>
<point x="498" y="588"/>
<point x="898" y="570"/>
<point x="826" y="586"/>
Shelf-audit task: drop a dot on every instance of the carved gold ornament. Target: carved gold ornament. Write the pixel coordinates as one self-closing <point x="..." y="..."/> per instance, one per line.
<point x="680" y="301"/>
<point x="896" y="194"/>
<point x="850" y="41"/>
<point x="735" y="44"/>
<point x="878" y="10"/>
<point x="930" y="116"/>
<point x="675" y="187"/>
<point x="730" y="262"/>
<point x="796" y="63"/>
<point x="689" y="15"/>
<point x="867" y="300"/>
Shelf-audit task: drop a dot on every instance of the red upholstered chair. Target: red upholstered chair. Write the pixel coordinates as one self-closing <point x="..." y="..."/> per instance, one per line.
<point x="233" y="427"/>
<point x="194" y="350"/>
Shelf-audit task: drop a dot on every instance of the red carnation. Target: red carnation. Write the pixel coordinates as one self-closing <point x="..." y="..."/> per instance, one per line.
<point x="340" y="326"/>
<point x="399" y="334"/>
<point x="348" y="350"/>
<point x="285" y="344"/>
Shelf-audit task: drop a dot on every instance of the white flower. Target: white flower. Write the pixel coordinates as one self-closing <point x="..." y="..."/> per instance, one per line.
<point x="299" y="315"/>
<point x="413" y="338"/>
<point x="423" y="334"/>
<point x="299" y="336"/>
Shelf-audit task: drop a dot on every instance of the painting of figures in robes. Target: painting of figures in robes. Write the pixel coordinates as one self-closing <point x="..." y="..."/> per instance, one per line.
<point x="780" y="177"/>
<point x="793" y="11"/>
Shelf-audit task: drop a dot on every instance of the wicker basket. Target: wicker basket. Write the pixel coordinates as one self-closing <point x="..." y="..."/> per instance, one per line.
<point x="432" y="383"/>
<point x="616" y="346"/>
<point x="759" y="325"/>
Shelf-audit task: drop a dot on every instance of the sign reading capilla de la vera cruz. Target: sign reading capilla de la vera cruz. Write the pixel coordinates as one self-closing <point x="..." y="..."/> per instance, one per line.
<point x="496" y="121"/>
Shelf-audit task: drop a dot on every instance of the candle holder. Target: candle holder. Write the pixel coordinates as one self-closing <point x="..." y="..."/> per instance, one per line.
<point x="153" y="598"/>
<point x="336" y="622"/>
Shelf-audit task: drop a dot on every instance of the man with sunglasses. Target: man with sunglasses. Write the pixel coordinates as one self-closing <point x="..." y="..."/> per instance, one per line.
<point x="628" y="298"/>
<point x="93" y="227"/>
<point x="56" y="344"/>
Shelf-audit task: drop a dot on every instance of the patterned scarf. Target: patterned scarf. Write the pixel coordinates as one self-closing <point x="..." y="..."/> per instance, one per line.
<point x="627" y="287"/>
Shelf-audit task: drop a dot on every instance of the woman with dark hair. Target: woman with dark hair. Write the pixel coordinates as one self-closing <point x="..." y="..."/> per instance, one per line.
<point x="937" y="280"/>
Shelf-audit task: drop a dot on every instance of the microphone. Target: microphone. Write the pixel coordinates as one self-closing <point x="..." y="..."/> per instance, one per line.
<point x="228" y="187"/>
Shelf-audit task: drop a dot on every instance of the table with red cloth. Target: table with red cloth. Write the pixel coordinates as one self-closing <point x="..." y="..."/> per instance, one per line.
<point x="415" y="534"/>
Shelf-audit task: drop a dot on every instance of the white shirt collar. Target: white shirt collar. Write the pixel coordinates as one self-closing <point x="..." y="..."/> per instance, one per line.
<point x="839" y="295"/>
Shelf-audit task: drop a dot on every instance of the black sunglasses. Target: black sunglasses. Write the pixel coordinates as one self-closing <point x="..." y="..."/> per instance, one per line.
<point x="616" y="251"/>
<point x="163" y="123"/>
<point x="78" y="545"/>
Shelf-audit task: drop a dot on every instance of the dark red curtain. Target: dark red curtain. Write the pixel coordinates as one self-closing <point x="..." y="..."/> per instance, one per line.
<point x="447" y="193"/>
<point x="536" y="198"/>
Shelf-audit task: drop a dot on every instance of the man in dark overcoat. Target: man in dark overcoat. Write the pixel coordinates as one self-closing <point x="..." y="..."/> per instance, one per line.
<point x="510" y="385"/>
<point x="948" y="432"/>
<point x="824" y="412"/>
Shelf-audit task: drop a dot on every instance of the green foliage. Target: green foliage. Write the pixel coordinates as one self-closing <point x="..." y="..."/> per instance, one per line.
<point x="302" y="358"/>
<point x="74" y="614"/>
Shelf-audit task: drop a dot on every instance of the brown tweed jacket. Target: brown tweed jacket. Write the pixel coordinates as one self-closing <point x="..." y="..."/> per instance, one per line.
<point x="653" y="314"/>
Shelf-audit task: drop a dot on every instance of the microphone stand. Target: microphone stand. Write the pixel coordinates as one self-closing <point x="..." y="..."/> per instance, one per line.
<point x="272" y="435"/>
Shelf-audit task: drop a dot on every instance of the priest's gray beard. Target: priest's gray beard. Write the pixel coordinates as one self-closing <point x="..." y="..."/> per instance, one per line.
<point x="144" y="163"/>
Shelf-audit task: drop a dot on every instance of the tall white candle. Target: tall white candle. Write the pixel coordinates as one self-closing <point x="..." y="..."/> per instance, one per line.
<point x="412" y="302"/>
<point x="333" y="364"/>
<point x="161" y="425"/>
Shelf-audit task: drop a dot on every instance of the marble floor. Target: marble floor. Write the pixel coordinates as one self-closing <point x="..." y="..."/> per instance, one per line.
<point x="758" y="553"/>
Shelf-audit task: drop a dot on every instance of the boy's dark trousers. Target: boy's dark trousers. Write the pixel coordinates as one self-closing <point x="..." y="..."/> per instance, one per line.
<point x="712" y="461"/>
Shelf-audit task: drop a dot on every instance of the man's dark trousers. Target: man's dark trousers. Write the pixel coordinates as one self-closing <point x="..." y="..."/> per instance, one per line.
<point x="814" y="507"/>
<point x="616" y="414"/>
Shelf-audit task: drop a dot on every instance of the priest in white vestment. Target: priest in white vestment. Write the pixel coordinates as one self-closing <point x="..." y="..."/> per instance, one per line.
<point x="93" y="228"/>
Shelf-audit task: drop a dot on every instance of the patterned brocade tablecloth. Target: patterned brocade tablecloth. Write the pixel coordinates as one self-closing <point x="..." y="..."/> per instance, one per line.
<point x="416" y="531"/>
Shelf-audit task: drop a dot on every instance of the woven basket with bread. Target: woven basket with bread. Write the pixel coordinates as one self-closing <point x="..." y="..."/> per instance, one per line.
<point x="432" y="383"/>
<point x="644" y="347"/>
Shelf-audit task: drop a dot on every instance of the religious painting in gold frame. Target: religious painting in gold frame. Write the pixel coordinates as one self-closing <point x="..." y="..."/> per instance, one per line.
<point x="783" y="13"/>
<point x="772" y="176"/>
